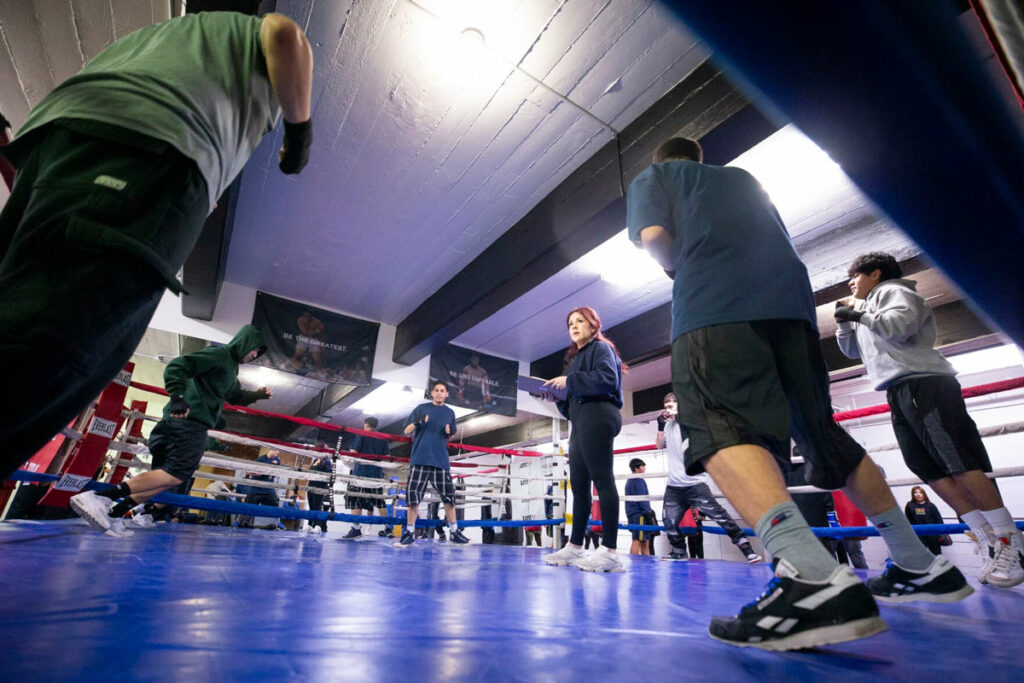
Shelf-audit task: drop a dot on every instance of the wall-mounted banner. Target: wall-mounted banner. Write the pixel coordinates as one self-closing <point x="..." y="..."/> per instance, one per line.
<point x="315" y="343"/>
<point x="476" y="380"/>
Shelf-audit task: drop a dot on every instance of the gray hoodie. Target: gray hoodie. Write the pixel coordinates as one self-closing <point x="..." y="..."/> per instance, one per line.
<point x="895" y="337"/>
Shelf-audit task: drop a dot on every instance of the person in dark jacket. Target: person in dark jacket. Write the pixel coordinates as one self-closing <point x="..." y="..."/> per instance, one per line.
<point x="920" y="510"/>
<point x="360" y="496"/>
<point x="593" y="386"/>
<point x="198" y="383"/>
<point x="317" y="491"/>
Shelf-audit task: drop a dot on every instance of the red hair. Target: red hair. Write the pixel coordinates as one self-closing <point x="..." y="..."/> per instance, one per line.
<point x="591" y="316"/>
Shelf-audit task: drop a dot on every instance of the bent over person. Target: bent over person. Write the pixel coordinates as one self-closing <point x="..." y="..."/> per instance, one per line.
<point x="118" y="168"/>
<point x="198" y="383"/>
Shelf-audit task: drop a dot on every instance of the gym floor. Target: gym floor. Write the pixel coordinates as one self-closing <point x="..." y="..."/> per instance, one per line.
<point x="208" y="603"/>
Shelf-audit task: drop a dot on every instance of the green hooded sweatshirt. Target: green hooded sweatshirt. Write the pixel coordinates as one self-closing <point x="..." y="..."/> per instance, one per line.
<point x="209" y="377"/>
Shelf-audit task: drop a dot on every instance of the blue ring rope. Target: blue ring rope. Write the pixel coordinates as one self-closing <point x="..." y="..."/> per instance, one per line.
<point x="212" y="505"/>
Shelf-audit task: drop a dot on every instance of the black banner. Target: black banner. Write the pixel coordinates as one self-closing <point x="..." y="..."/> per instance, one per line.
<point x="315" y="343"/>
<point x="476" y="380"/>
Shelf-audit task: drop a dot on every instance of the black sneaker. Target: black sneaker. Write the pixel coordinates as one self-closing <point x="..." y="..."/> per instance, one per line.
<point x="941" y="583"/>
<point x="407" y="540"/>
<point x="441" y="535"/>
<point x="459" y="537"/>
<point x="677" y="555"/>
<point x="352" y="534"/>
<point x="792" y="614"/>
<point x="385" y="533"/>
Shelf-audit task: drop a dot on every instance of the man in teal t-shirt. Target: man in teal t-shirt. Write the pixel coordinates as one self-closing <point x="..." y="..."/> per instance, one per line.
<point x="431" y="425"/>
<point x="747" y="368"/>
<point x="118" y="168"/>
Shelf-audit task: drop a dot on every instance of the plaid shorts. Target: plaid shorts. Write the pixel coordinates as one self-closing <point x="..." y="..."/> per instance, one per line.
<point x="420" y="476"/>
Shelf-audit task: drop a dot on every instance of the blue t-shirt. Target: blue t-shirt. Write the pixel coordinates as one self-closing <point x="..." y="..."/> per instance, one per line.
<point x="636" y="487"/>
<point x="732" y="256"/>
<point x="370" y="446"/>
<point x="265" y="477"/>
<point x="429" y="442"/>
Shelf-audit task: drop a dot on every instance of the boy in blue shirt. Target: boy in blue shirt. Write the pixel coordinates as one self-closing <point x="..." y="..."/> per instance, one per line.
<point x="431" y="424"/>
<point x="637" y="510"/>
<point x="361" y="497"/>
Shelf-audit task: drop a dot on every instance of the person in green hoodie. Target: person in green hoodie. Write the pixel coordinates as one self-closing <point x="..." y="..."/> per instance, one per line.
<point x="198" y="383"/>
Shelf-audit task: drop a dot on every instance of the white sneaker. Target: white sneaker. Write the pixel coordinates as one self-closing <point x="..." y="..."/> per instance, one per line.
<point x="753" y="558"/>
<point x="987" y="551"/>
<point x="315" y="531"/>
<point x="1008" y="564"/>
<point x="601" y="561"/>
<point x="565" y="557"/>
<point x="92" y="509"/>
<point x="117" y="529"/>
<point x="140" y="522"/>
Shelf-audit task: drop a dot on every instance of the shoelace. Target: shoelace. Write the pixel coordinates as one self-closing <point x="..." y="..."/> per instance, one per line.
<point x="772" y="585"/>
<point x="1005" y="556"/>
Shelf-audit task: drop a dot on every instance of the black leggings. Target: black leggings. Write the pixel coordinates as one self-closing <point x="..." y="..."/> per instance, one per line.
<point x="594" y="428"/>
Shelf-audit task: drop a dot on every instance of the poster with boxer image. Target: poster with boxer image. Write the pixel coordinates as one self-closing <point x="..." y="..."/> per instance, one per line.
<point x="315" y="343"/>
<point x="475" y="380"/>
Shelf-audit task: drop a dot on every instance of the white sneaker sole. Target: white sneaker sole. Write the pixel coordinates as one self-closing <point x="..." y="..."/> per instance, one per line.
<point x="955" y="596"/>
<point x="86" y="514"/>
<point x="826" y="635"/>
<point x="560" y="562"/>
<point x="1010" y="582"/>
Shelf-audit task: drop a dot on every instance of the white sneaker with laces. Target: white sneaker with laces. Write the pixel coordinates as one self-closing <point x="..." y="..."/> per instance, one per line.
<point x="1008" y="564"/>
<point x="601" y="561"/>
<point x="565" y="557"/>
<point x="117" y="529"/>
<point x="987" y="551"/>
<point x="92" y="509"/>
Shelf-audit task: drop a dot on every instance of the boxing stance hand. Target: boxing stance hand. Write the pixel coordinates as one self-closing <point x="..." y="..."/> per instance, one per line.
<point x="178" y="407"/>
<point x="847" y="314"/>
<point x="294" y="154"/>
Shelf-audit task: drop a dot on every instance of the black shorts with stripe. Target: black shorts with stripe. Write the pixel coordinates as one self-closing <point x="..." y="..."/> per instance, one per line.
<point x="356" y="498"/>
<point x="440" y="479"/>
<point x="936" y="435"/>
<point x="751" y="383"/>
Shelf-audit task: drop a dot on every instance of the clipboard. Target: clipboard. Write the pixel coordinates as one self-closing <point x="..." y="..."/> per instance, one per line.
<point x="534" y="385"/>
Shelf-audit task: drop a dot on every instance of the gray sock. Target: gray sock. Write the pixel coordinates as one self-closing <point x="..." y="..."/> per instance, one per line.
<point x="786" y="536"/>
<point x="906" y="548"/>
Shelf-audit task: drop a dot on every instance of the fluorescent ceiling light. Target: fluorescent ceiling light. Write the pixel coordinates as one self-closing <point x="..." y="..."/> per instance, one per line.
<point x="995" y="358"/>
<point x="619" y="262"/>
<point x="800" y="178"/>
<point x="391" y="397"/>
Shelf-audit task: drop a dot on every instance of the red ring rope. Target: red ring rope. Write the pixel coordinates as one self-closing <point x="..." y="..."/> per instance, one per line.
<point x="379" y="435"/>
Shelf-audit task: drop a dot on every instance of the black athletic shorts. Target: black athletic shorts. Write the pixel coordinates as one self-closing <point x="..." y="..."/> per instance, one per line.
<point x="356" y="498"/>
<point x="937" y="436"/>
<point x="440" y="479"/>
<point x="637" y="518"/>
<point x="177" y="447"/>
<point x="758" y="383"/>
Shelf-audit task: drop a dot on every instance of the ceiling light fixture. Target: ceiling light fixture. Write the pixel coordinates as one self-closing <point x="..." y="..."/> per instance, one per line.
<point x="472" y="36"/>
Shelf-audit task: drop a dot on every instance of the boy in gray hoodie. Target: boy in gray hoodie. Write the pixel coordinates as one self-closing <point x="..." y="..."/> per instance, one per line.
<point x="890" y="327"/>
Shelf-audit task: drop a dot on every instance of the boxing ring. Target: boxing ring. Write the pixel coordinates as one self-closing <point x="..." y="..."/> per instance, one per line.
<point x="202" y="602"/>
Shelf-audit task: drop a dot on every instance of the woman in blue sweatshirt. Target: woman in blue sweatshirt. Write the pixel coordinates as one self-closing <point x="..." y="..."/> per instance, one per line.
<point x="593" y="386"/>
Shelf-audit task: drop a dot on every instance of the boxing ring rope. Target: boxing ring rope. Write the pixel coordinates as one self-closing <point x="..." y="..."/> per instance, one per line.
<point x="226" y="462"/>
<point x="352" y="430"/>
